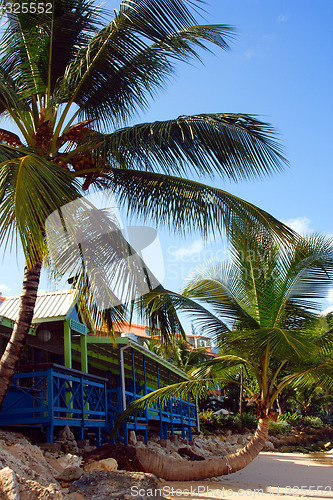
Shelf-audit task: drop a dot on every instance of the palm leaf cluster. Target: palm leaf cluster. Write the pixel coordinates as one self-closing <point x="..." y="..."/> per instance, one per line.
<point x="68" y="74"/>
<point x="261" y="306"/>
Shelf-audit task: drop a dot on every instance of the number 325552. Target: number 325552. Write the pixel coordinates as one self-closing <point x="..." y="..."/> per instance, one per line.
<point x="27" y="8"/>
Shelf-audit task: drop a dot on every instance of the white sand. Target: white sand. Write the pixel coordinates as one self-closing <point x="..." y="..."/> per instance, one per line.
<point x="270" y="475"/>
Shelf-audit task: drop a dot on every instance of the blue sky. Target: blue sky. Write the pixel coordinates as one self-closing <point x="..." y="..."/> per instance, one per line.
<point x="280" y="67"/>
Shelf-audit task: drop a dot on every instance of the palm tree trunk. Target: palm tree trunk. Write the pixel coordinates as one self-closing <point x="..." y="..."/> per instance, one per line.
<point x="174" y="470"/>
<point x="13" y="351"/>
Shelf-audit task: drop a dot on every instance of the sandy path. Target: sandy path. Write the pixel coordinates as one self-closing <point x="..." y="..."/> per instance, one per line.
<point x="269" y="476"/>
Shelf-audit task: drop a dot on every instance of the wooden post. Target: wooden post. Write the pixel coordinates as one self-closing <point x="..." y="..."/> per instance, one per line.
<point x="84" y="353"/>
<point x="122" y="378"/>
<point x="241" y="393"/>
<point x="67" y="344"/>
<point x="144" y="393"/>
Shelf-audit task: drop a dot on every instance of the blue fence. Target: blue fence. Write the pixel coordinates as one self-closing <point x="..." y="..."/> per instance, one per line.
<point x="50" y="395"/>
<point x="172" y="415"/>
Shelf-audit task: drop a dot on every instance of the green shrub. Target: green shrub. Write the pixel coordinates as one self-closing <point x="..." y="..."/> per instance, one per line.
<point x="279" y="427"/>
<point x="210" y="422"/>
<point x="295" y="419"/>
<point x="292" y="418"/>
<point x="315" y="422"/>
<point x="249" y="420"/>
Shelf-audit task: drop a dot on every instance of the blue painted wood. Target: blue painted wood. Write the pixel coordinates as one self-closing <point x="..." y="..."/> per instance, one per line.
<point x="51" y="396"/>
<point x="55" y="396"/>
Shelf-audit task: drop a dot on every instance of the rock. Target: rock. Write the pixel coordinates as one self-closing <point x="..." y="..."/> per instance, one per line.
<point x="132" y="438"/>
<point x="69" y="461"/>
<point x="118" y="485"/>
<point x="71" y="473"/>
<point x="268" y="446"/>
<point x="274" y="440"/>
<point x="233" y="439"/>
<point x="124" y="455"/>
<point x="32" y="490"/>
<point x="52" y="447"/>
<point x="241" y="440"/>
<point x="187" y="452"/>
<point x="174" y="438"/>
<point x="27" y="461"/>
<point x="67" y="434"/>
<point x="9" y="487"/>
<point x="67" y="441"/>
<point x="107" y="464"/>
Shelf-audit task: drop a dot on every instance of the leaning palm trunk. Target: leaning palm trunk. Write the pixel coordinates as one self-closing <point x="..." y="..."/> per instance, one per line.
<point x="173" y="470"/>
<point x="20" y="331"/>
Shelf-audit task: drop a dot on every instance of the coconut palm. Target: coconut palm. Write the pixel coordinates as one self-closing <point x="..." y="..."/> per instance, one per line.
<point x="260" y="306"/>
<point x="71" y="81"/>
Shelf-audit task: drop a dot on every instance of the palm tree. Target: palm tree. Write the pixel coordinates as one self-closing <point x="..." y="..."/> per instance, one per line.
<point x="71" y="82"/>
<point x="261" y="306"/>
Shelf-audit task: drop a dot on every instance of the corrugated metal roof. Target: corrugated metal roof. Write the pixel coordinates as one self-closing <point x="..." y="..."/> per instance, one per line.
<point x="48" y="305"/>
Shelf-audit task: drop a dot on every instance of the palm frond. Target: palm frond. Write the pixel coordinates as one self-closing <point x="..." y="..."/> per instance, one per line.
<point x="218" y="285"/>
<point x="31" y="188"/>
<point x="183" y="204"/>
<point x="220" y="367"/>
<point x="205" y="321"/>
<point x="182" y="390"/>
<point x="134" y="51"/>
<point x="325" y="342"/>
<point x="29" y="37"/>
<point x="321" y="375"/>
<point x="235" y="146"/>
<point x="162" y="315"/>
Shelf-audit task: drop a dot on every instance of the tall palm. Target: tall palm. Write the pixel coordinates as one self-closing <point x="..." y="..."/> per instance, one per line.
<point x="68" y="75"/>
<point x="268" y="293"/>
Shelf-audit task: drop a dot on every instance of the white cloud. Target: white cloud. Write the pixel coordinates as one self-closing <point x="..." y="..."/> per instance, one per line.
<point x="4" y="289"/>
<point x="250" y="53"/>
<point x="283" y="18"/>
<point x="302" y="225"/>
<point x="184" y="253"/>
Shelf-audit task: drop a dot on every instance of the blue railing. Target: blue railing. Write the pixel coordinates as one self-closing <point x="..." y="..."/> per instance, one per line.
<point x="171" y="415"/>
<point x="51" y="395"/>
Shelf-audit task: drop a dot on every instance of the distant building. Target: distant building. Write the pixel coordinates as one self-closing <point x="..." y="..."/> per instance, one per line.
<point x="142" y="333"/>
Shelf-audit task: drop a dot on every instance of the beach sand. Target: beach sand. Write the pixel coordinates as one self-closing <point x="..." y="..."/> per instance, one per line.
<point x="270" y="475"/>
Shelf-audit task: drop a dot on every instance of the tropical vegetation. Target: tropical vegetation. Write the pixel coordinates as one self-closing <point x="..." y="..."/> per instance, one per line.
<point x="72" y="78"/>
<point x="261" y="306"/>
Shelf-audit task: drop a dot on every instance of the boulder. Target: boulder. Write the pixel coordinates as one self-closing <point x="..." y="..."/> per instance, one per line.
<point x="187" y="452"/>
<point x="67" y="440"/>
<point x="132" y="438"/>
<point x="9" y="487"/>
<point x="268" y="446"/>
<point x="71" y="473"/>
<point x="106" y="464"/>
<point x="33" y="490"/>
<point x="118" y="485"/>
<point x="27" y="461"/>
<point x="69" y="460"/>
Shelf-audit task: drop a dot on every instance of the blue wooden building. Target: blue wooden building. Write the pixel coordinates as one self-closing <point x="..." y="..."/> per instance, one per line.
<point x="69" y="376"/>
